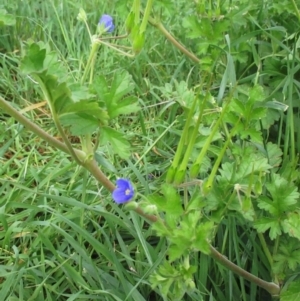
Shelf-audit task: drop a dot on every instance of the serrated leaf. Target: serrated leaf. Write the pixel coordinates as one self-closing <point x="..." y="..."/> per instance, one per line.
<point x="173" y="203"/>
<point x="253" y="134"/>
<point x="183" y="95"/>
<point x="175" y="252"/>
<point x="274" y="154"/>
<point x="264" y="224"/>
<point x="202" y="237"/>
<point x="80" y="124"/>
<point x="125" y="106"/>
<point x="284" y="194"/>
<point x="116" y="96"/>
<point x="266" y="204"/>
<point x="33" y="61"/>
<point x="170" y="203"/>
<point x="90" y="108"/>
<point x="258" y="113"/>
<point x="193" y="26"/>
<point x="54" y="66"/>
<point x="79" y="92"/>
<point x="256" y="94"/>
<point x="60" y="93"/>
<point x="291" y="225"/>
<point x="117" y="140"/>
<point x="252" y="163"/>
<point x="196" y="202"/>
<point x="237" y="106"/>
<point x="292" y="293"/>
<point x="83" y="117"/>
<point x="288" y="255"/>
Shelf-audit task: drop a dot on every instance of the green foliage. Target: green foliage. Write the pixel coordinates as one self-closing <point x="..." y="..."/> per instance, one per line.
<point x="115" y="95"/>
<point x="62" y="237"/>
<point x="292" y="293"/>
<point x="6" y="19"/>
<point x="117" y="140"/>
<point x="283" y="200"/>
<point x="78" y="109"/>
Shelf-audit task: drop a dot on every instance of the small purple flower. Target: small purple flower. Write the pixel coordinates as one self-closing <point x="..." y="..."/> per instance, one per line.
<point x="124" y="191"/>
<point x="107" y="22"/>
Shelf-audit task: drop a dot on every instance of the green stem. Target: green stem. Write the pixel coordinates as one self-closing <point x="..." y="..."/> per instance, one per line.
<point x="95" y="47"/>
<point x="163" y="30"/>
<point x="290" y="117"/>
<point x="181" y="171"/>
<point x="146" y="16"/>
<point x="265" y="248"/>
<point x="115" y="48"/>
<point x="136" y="10"/>
<point x="172" y="170"/>
<point x="196" y="165"/>
<point x="211" y="177"/>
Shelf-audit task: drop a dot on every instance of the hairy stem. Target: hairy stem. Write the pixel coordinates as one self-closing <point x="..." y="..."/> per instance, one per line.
<point x="271" y="287"/>
<point x="168" y="35"/>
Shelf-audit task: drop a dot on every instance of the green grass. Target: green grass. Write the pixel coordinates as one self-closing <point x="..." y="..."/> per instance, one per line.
<point x="62" y="237"/>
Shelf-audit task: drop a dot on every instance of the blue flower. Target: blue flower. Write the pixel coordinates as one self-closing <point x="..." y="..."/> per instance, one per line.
<point x="124" y="191"/>
<point x="107" y="22"/>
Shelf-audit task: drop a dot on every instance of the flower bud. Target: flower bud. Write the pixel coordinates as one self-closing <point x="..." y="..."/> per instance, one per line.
<point x="82" y="15"/>
<point x="138" y="42"/>
<point x="170" y="174"/>
<point x="179" y="176"/>
<point x="194" y="171"/>
<point x="190" y="284"/>
<point x="129" y="23"/>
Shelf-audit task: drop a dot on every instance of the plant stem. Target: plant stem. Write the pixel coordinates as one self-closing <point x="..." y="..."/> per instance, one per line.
<point x="146" y="16"/>
<point x="136" y="10"/>
<point x="95" y="47"/>
<point x="214" y="170"/>
<point x="182" y="142"/>
<point x="34" y="128"/>
<point x="164" y="31"/>
<point x="271" y="287"/>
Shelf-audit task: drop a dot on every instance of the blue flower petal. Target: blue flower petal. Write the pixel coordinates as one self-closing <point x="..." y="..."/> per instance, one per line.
<point x="122" y="183"/>
<point x="107" y="22"/>
<point x="124" y="191"/>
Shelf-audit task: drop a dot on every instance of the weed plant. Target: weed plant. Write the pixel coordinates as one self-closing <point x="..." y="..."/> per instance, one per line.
<point x="198" y="107"/>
